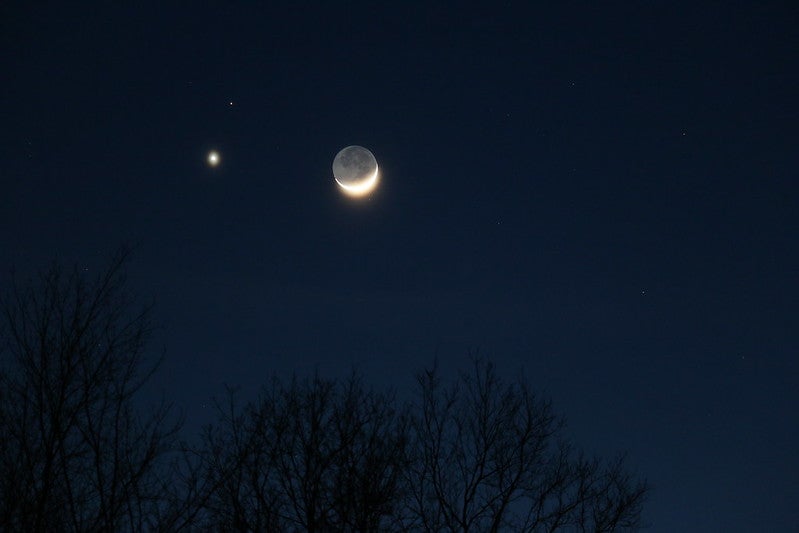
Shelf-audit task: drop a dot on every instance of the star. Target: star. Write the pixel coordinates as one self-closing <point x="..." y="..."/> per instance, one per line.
<point x="213" y="158"/>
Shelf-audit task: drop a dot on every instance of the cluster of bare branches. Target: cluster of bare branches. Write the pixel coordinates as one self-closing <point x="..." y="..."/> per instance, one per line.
<point x="489" y="456"/>
<point x="476" y="453"/>
<point x="312" y="455"/>
<point x="75" y="453"/>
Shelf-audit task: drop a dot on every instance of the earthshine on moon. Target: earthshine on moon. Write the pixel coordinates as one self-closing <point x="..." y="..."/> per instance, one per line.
<point x="355" y="171"/>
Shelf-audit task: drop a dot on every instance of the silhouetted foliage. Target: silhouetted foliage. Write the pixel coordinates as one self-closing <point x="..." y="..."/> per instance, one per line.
<point x="475" y="454"/>
<point x="479" y="455"/>
<point x="488" y="456"/>
<point x="313" y="455"/>
<point x="75" y="455"/>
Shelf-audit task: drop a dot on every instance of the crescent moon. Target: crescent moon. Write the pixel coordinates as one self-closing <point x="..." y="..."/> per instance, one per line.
<point x="360" y="189"/>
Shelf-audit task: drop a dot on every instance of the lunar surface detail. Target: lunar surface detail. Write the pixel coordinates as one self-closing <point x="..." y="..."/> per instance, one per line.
<point x="355" y="171"/>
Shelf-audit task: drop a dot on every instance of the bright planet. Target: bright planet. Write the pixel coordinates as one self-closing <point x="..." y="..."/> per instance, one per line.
<point x="355" y="171"/>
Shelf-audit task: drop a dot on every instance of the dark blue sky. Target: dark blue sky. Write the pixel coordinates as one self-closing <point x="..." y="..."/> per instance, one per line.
<point x="602" y="194"/>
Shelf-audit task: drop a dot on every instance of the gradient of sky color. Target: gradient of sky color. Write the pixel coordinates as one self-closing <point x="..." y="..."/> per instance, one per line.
<point x="602" y="194"/>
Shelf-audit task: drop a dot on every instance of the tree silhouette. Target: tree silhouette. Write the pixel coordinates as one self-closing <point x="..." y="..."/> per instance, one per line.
<point x="313" y="455"/>
<point x="480" y="455"/>
<point x="75" y="454"/>
<point x="475" y="454"/>
<point x="488" y="456"/>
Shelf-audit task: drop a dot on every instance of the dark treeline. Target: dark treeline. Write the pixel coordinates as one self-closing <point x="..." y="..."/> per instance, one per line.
<point x="469" y="453"/>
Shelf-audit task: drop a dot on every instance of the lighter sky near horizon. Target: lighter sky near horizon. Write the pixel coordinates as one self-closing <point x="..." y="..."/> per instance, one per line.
<point x="601" y="195"/>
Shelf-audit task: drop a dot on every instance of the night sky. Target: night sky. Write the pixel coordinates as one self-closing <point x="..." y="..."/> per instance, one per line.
<point x="603" y="195"/>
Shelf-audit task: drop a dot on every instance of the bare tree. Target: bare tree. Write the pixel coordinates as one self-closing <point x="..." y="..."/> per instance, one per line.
<point x="312" y="455"/>
<point x="76" y="455"/>
<point x="479" y="455"/>
<point x="486" y="456"/>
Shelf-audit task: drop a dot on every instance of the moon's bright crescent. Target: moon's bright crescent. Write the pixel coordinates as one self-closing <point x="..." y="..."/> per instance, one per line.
<point x="361" y="188"/>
